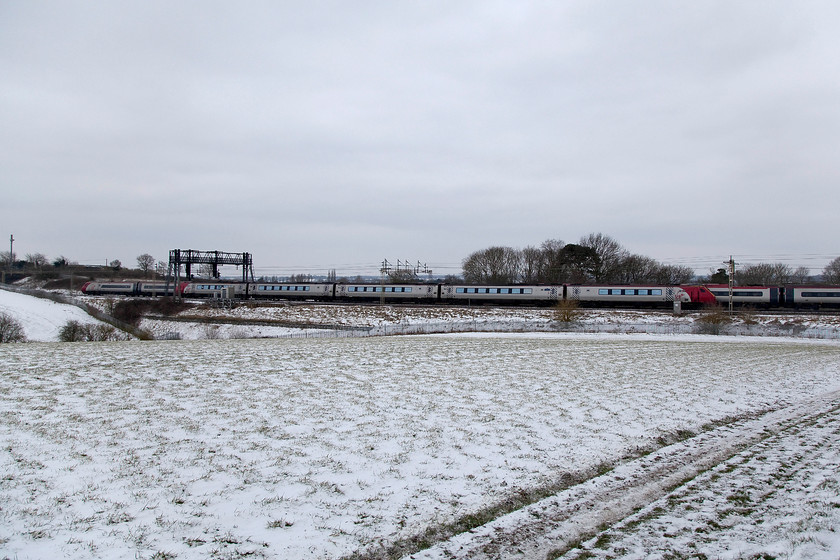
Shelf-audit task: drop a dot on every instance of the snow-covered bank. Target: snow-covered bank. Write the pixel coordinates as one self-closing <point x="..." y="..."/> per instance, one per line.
<point x="41" y="319"/>
<point x="254" y="321"/>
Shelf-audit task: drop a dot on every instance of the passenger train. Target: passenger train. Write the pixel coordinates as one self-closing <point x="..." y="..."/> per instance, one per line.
<point x="594" y="295"/>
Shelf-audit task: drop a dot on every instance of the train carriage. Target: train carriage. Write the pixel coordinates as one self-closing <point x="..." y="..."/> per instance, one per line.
<point x="214" y="290"/>
<point x="387" y="292"/>
<point x="500" y="294"/>
<point x="109" y="288"/>
<point x="154" y="289"/>
<point x="746" y="295"/>
<point x="292" y="291"/>
<point x="812" y="296"/>
<point x="626" y="295"/>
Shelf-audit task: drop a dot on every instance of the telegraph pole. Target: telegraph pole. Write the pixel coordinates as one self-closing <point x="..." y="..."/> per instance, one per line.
<point x="731" y="270"/>
<point x="11" y="252"/>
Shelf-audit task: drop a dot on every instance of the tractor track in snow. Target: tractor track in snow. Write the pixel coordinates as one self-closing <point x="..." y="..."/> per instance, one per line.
<point x="555" y="525"/>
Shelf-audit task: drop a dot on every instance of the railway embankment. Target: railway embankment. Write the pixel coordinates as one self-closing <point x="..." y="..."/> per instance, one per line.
<point x="287" y="321"/>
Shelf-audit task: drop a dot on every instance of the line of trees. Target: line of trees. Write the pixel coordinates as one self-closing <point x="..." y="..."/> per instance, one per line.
<point x="39" y="264"/>
<point x="596" y="258"/>
<point x="774" y="274"/>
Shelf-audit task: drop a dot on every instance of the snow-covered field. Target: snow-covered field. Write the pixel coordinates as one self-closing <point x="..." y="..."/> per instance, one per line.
<point x="635" y="446"/>
<point x="319" y="448"/>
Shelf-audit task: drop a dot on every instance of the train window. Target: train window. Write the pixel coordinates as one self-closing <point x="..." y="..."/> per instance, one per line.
<point x="820" y="294"/>
<point x="603" y="292"/>
<point x="656" y="292"/>
<point x="736" y="293"/>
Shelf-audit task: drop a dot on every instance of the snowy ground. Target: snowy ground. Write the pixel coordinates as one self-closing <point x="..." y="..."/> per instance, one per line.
<point x="256" y="321"/>
<point x="319" y="448"/>
<point x="41" y="319"/>
<point x="633" y="446"/>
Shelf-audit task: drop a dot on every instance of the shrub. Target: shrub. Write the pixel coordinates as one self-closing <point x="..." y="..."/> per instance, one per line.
<point x="75" y="331"/>
<point x="567" y="311"/>
<point x="748" y="315"/>
<point x="713" y="320"/>
<point x="10" y="329"/>
<point x="132" y="310"/>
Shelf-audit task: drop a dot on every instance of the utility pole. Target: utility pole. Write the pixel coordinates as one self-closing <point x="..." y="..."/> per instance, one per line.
<point x="731" y="271"/>
<point x="11" y="252"/>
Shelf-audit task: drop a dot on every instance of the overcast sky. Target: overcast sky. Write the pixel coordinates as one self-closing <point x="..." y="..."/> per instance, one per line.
<point x="333" y="135"/>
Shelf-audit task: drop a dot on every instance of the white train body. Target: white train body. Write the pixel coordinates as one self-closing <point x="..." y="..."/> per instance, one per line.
<point x="292" y="291"/>
<point x="387" y="292"/>
<point x="153" y="289"/>
<point x="746" y="295"/>
<point x="109" y="288"/>
<point x="627" y="295"/>
<point x="500" y="294"/>
<point x="813" y="295"/>
<point x="214" y="290"/>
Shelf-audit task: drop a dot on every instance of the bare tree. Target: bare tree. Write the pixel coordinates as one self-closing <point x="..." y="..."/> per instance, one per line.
<point x="610" y="253"/>
<point x="672" y="275"/>
<point x="7" y="258"/>
<point x="37" y="260"/>
<point x="496" y="265"/>
<point x="403" y="276"/>
<point x="10" y="329"/>
<point x="831" y="272"/>
<point x="532" y="265"/>
<point x="764" y="274"/>
<point x="638" y="269"/>
<point x="802" y="275"/>
<point x="146" y="263"/>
